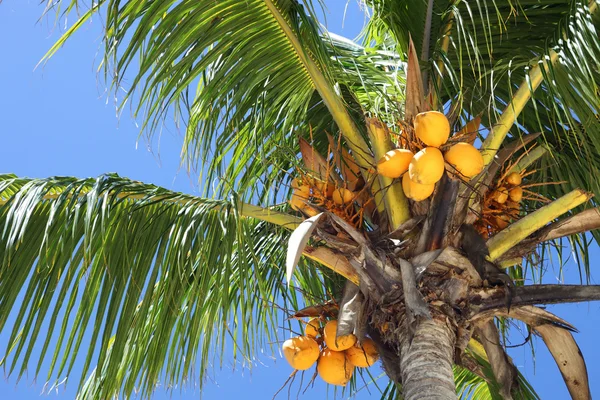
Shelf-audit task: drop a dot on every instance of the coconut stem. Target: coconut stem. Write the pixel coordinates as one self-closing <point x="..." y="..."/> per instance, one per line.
<point x="494" y="140"/>
<point x="509" y="237"/>
<point x="528" y="159"/>
<point x="396" y="204"/>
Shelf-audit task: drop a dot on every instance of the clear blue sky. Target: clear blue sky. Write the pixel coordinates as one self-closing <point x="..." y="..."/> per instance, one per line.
<point x="58" y="120"/>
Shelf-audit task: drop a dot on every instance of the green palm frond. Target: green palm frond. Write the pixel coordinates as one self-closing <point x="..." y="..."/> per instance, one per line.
<point x="145" y="283"/>
<point x="243" y="77"/>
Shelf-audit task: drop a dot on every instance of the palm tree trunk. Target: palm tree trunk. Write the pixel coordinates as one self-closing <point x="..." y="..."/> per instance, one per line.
<point x="426" y="362"/>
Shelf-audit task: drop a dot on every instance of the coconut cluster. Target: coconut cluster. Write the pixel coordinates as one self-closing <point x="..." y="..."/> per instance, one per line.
<point x="309" y="193"/>
<point x="336" y="356"/>
<point x="502" y="204"/>
<point x="506" y="199"/>
<point x="421" y="171"/>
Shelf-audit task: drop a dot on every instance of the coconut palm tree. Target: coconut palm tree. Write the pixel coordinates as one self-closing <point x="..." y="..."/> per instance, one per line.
<point x="294" y="123"/>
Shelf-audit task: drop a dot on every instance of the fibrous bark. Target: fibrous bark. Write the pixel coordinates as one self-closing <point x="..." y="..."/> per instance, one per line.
<point x="426" y="362"/>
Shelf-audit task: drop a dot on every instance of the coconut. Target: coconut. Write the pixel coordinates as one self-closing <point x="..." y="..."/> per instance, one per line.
<point x="514" y="178"/>
<point x="337" y="343"/>
<point x="465" y="158"/>
<point x="364" y="355"/>
<point x="394" y="163"/>
<point x="512" y="205"/>
<point x="416" y="191"/>
<point x="324" y="188"/>
<point x="502" y="221"/>
<point x="312" y="327"/>
<point x="299" y="186"/>
<point x="427" y="166"/>
<point x="500" y="195"/>
<point x="516" y="194"/>
<point x="432" y="127"/>
<point x="334" y="368"/>
<point x="298" y="200"/>
<point x="301" y="352"/>
<point x="342" y="196"/>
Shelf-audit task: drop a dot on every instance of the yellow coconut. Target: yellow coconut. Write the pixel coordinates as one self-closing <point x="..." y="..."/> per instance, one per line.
<point x="516" y="194"/>
<point x="416" y="191"/>
<point x="514" y="179"/>
<point x="432" y="127"/>
<point x="337" y="343"/>
<point x="364" y="355"/>
<point x="301" y="352"/>
<point x="312" y="328"/>
<point x="299" y="186"/>
<point x="342" y="196"/>
<point x="512" y="205"/>
<point x="298" y="200"/>
<point x="500" y="195"/>
<point x="502" y="221"/>
<point x="394" y="163"/>
<point x="325" y="188"/>
<point x="427" y="166"/>
<point x="334" y="368"/>
<point x="465" y="158"/>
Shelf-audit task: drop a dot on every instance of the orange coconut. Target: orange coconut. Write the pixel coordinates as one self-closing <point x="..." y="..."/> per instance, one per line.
<point x="342" y="196"/>
<point x="432" y="127"/>
<point x="312" y="327"/>
<point x="364" y="355"/>
<point x="298" y="200"/>
<point x="301" y="187"/>
<point x="301" y="352"/>
<point x="500" y="195"/>
<point x="324" y="188"/>
<point x="465" y="158"/>
<point x="514" y="178"/>
<point x="334" y="368"/>
<point x="394" y="163"/>
<point x="427" y="166"/>
<point x="415" y="191"/>
<point x="516" y="194"/>
<point x="502" y="221"/>
<point x="337" y="343"/>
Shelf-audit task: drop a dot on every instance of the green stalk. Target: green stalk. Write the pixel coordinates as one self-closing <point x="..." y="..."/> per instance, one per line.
<point x="335" y="105"/>
<point x="528" y="159"/>
<point x="513" y="234"/>
<point x="509" y="116"/>
<point x="396" y="204"/>
<point x="333" y="102"/>
<point x="511" y="112"/>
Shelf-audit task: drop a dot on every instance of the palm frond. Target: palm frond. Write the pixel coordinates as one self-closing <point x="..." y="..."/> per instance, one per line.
<point x="245" y="78"/>
<point x="145" y="283"/>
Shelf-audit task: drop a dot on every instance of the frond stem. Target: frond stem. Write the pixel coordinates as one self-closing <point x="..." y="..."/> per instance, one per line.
<point x="506" y="239"/>
<point x="509" y="116"/>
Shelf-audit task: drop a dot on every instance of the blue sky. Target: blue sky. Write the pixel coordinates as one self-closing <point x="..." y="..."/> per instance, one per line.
<point x="59" y="120"/>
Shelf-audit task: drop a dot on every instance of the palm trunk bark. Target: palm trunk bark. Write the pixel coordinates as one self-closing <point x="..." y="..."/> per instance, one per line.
<point x="426" y="362"/>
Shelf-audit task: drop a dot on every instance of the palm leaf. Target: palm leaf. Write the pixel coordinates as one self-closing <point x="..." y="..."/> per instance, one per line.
<point x="267" y="58"/>
<point x="145" y="283"/>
